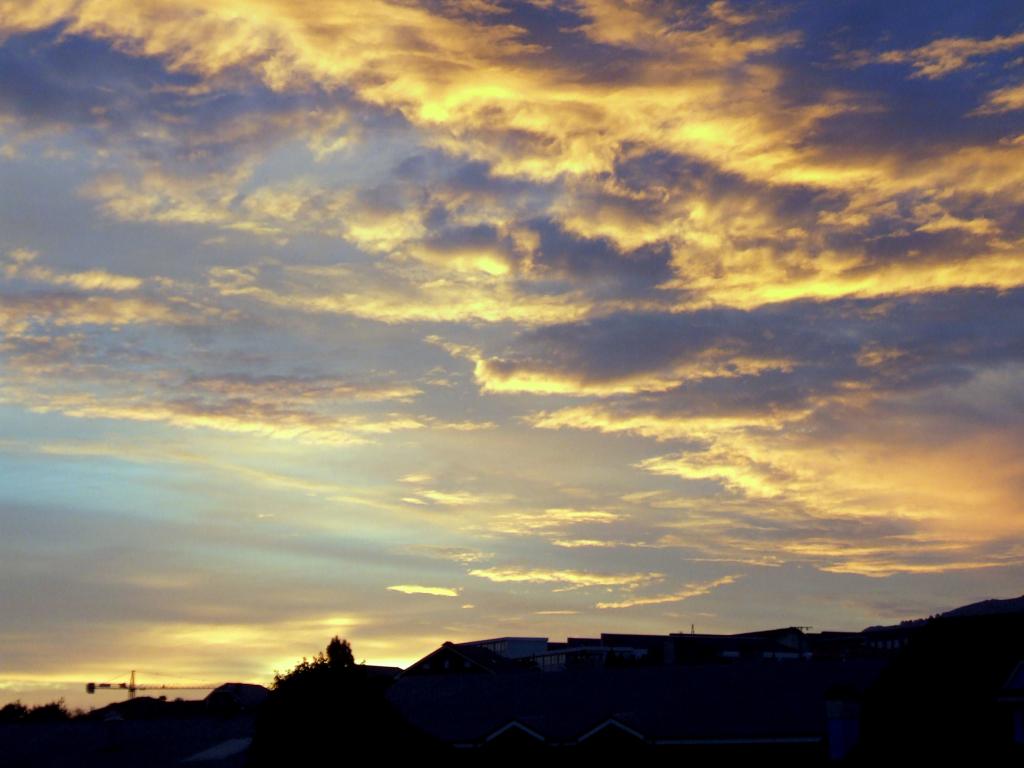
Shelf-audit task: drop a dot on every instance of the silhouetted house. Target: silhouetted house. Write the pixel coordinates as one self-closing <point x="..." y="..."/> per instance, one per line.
<point x="612" y="649"/>
<point x="692" y="648"/>
<point x="536" y="653"/>
<point x="618" y="649"/>
<point x="378" y="672"/>
<point x="889" y="639"/>
<point x="148" y="708"/>
<point x="511" y="647"/>
<point x="746" y="703"/>
<point x="560" y="659"/>
<point x="785" y="643"/>
<point x="836" y="645"/>
<point x="654" y="648"/>
<point x="463" y="659"/>
<point x="232" y="698"/>
<point x="781" y="644"/>
<point x="1012" y="695"/>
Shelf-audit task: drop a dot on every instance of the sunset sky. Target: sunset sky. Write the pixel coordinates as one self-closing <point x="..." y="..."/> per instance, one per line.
<point x="424" y="321"/>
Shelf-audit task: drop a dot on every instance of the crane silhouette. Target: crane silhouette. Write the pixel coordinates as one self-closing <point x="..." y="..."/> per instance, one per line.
<point x="131" y="686"/>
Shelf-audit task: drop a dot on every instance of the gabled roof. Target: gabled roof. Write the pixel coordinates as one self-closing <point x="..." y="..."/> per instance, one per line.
<point x="514" y="725"/>
<point x="1013" y="688"/>
<point x="607" y="724"/>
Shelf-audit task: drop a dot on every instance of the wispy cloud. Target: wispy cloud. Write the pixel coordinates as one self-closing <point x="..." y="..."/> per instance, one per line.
<point x="687" y="592"/>
<point x="417" y="589"/>
<point x="566" y="577"/>
<point x="949" y="54"/>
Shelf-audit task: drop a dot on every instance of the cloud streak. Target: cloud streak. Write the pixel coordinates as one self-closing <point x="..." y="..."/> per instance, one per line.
<point x="689" y="591"/>
<point x="417" y="589"/>
<point x="571" y="579"/>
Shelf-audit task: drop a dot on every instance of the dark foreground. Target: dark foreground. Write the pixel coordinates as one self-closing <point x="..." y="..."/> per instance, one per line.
<point x="953" y="692"/>
<point x="82" y="743"/>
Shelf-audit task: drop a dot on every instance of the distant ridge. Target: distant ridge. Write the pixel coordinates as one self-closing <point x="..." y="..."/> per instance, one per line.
<point x="989" y="607"/>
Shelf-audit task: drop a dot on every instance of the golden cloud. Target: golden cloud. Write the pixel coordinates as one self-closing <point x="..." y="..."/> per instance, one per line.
<point x="454" y="498"/>
<point x="879" y="479"/>
<point x="690" y="590"/>
<point x="941" y="57"/>
<point x="587" y="543"/>
<point x="21" y="265"/>
<point x="282" y="425"/>
<point x="570" y="578"/>
<point x="417" y="589"/>
<point x="19" y="314"/>
<point x="417" y="295"/>
<point x="98" y="299"/>
<point x="476" y="87"/>
<point x="548" y="522"/>
<point x="1008" y="99"/>
<point x="660" y="427"/>
<point x="501" y="376"/>
<point x="836" y="276"/>
<point x="45" y="377"/>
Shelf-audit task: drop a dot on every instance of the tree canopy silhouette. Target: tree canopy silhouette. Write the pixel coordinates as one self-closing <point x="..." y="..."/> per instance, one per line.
<point x="328" y="703"/>
<point x="339" y="654"/>
<point x="16" y="712"/>
<point x="326" y="670"/>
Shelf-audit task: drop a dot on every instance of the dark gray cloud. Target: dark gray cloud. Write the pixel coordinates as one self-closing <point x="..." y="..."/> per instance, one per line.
<point x="897" y="345"/>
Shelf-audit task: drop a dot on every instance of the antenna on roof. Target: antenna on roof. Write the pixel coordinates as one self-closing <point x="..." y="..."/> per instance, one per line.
<point x="691" y="630"/>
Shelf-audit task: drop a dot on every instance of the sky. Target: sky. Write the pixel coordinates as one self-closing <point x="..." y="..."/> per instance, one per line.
<point x="441" y="320"/>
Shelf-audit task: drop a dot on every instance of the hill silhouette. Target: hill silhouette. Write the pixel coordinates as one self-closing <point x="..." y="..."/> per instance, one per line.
<point x="988" y="608"/>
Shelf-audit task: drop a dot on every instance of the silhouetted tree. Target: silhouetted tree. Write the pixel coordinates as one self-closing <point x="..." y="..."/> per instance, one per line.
<point x="339" y="654"/>
<point x="53" y="712"/>
<point x="328" y="704"/>
<point x="15" y="712"/>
